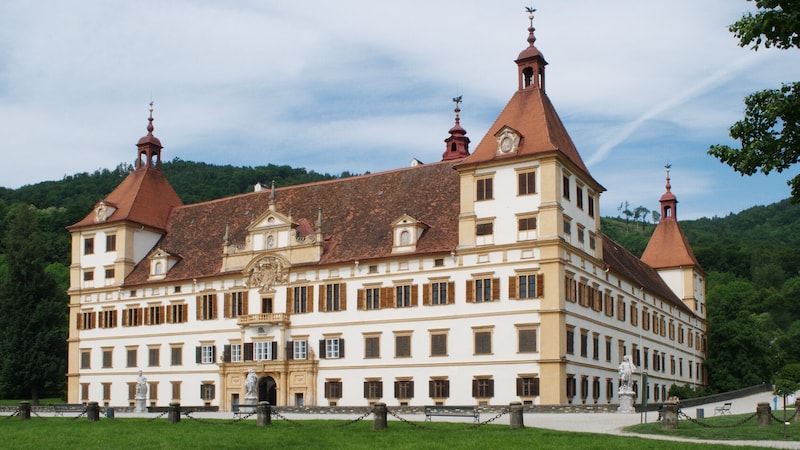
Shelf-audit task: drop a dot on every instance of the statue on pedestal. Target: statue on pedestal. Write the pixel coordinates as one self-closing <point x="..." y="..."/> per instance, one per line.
<point x="141" y="386"/>
<point x="626" y="393"/>
<point x="250" y="396"/>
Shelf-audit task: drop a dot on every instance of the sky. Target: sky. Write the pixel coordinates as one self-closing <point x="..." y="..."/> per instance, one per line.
<point x="365" y="86"/>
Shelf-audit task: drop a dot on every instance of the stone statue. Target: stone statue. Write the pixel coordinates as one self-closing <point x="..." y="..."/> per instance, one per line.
<point x="250" y="387"/>
<point x="141" y="386"/>
<point x="626" y="369"/>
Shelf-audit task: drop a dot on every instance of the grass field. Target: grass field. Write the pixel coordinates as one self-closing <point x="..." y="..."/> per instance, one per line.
<point x="65" y="433"/>
<point x="727" y="428"/>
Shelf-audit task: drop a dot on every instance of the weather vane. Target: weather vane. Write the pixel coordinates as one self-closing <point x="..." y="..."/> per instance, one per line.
<point x="457" y="100"/>
<point x="530" y="10"/>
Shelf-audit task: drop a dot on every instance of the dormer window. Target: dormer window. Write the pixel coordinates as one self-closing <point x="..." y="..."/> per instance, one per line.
<point x="406" y="232"/>
<point x="160" y="263"/>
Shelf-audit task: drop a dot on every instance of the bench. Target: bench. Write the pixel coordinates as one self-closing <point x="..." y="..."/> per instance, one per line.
<point x="242" y="411"/>
<point x="452" y="411"/>
<point x="62" y="408"/>
<point x="724" y="409"/>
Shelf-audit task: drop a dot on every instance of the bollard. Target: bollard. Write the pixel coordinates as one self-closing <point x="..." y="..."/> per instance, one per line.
<point x="25" y="410"/>
<point x="515" y="411"/>
<point x="764" y="414"/>
<point x="379" y="412"/>
<point x="174" y="413"/>
<point x="92" y="412"/>
<point x="263" y="414"/>
<point x="669" y="416"/>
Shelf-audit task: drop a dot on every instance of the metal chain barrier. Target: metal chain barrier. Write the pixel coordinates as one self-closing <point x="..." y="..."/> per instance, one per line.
<point x="286" y="419"/>
<point x="14" y="414"/>
<point x="789" y="419"/>
<point x="159" y="416"/>
<point x="499" y="415"/>
<point x="683" y="415"/>
<point x="362" y="417"/>
<point x="244" y="416"/>
<point x="85" y="410"/>
<point x="406" y="421"/>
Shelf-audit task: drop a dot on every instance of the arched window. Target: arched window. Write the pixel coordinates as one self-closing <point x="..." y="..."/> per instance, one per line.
<point x="405" y="238"/>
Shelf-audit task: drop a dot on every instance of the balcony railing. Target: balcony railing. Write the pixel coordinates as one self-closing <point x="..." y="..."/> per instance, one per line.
<point x="262" y="319"/>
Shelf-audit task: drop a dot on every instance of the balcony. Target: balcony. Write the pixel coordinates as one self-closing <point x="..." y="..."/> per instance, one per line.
<point x="263" y="319"/>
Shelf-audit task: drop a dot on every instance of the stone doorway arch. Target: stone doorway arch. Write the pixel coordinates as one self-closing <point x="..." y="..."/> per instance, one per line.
<point x="267" y="390"/>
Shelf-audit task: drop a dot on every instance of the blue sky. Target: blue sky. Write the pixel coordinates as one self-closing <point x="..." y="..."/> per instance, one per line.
<point x="361" y="86"/>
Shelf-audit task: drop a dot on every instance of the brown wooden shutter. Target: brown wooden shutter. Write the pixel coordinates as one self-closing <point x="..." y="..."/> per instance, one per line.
<point x="227" y="305"/>
<point x="361" y="299"/>
<point x="512" y="288"/>
<point x="185" y="315"/>
<point x="470" y="291"/>
<point x="396" y="389"/>
<point x="322" y="297"/>
<point x="310" y="298"/>
<point x="79" y="318"/>
<point x="431" y="388"/>
<point x="386" y="297"/>
<point x="536" y="387"/>
<point x="414" y="294"/>
<point x="247" y="350"/>
<point x="162" y="311"/>
<point x="322" y="354"/>
<point x="289" y="300"/>
<point x="451" y="292"/>
<point x="199" y="307"/>
<point x="124" y="317"/>
<point x="245" y="303"/>
<point x="475" y="388"/>
<point x="426" y="294"/>
<point x="139" y="315"/>
<point x="495" y="289"/>
<point x="540" y="285"/>
<point x="170" y="312"/>
<point x="343" y="296"/>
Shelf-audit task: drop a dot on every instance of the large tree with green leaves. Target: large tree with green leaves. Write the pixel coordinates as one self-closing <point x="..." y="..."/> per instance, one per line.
<point x="770" y="130"/>
<point x="33" y="322"/>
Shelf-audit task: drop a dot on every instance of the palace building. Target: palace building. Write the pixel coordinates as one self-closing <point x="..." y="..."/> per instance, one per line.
<point x="483" y="278"/>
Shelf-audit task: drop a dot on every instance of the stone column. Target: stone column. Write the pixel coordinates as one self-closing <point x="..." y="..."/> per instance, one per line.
<point x="92" y="412"/>
<point x="379" y="414"/>
<point x="763" y="414"/>
<point x="174" y="413"/>
<point x="25" y="410"/>
<point x="263" y="414"/>
<point x="669" y="416"/>
<point x="516" y="420"/>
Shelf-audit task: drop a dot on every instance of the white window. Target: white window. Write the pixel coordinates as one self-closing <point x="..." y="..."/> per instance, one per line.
<point x="207" y="354"/>
<point x="331" y="348"/>
<point x="236" y="352"/>
<point x="262" y="351"/>
<point x="300" y="349"/>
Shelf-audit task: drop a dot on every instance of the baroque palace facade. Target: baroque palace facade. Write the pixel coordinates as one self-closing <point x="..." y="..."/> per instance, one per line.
<point x="480" y="279"/>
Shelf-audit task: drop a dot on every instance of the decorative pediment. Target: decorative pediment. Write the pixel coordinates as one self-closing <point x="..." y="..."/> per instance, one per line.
<point x="161" y="262"/>
<point x="507" y="141"/>
<point x="103" y="210"/>
<point x="270" y="219"/>
<point x="266" y="272"/>
<point x="406" y="232"/>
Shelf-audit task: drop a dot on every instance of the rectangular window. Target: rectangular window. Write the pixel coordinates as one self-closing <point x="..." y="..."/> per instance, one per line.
<point x="527" y="387"/>
<point x="579" y="196"/>
<point x="402" y="296"/>
<point x="238" y="305"/>
<point x="608" y="349"/>
<point x="333" y="389"/>
<point x="300" y="349"/>
<point x="332" y="297"/>
<point x="373" y="389"/>
<point x="106" y="391"/>
<point x="404" y="389"/>
<point x="581" y="234"/>
<point x="300" y="299"/>
<point x="154" y="315"/>
<point x="108" y="318"/>
<point x="526" y="340"/>
<point x="88" y="246"/>
<point x="484" y="189"/>
<point x="439" y="293"/>
<point x="526" y="223"/>
<point x="483" y="342"/>
<point x="483" y="388"/>
<point x="207" y="307"/>
<point x="208" y="354"/>
<point x="236" y="352"/>
<point x="111" y="242"/>
<point x="132" y="357"/>
<point x="176" y="356"/>
<point x="86" y="320"/>
<point x="484" y="229"/>
<point x="154" y="357"/>
<point x="483" y="290"/>
<point x="176" y="390"/>
<point x="88" y="275"/>
<point x="527" y="286"/>
<point x="439" y="389"/>
<point x="570" y="341"/>
<point x="207" y="391"/>
<point x="266" y="305"/>
<point x="595" y="347"/>
<point x="565" y="186"/>
<point x="584" y="343"/>
<point x="373" y="298"/>
<point x="526" y="183"/>
<point x="439" y="344"/>
<point x="107" y="358"/>
<point x="372" y="347"/>
<point x="86" y="359"/>
<point x="177" y="313"/>
<point x="262" y="351"/>
<point x="332" y="348"/>
<point x="567" y="227"/>
<point x="590" y="200"/>
<point x="110" y="274"/>
<point x="402" y="346"/>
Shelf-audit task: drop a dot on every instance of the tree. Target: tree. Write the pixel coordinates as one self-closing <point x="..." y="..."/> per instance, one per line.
<point x="770" y="130"/>
<point x="786" y="383"/>
<point x="33" y="324"/>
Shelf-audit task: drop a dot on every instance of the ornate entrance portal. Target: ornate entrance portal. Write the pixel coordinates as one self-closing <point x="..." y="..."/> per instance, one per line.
<point x="267" y="391"/>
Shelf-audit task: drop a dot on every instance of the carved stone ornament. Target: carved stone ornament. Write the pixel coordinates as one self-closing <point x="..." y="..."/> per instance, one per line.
<point x="266" y="273"/>
<point x="101" y="212"/>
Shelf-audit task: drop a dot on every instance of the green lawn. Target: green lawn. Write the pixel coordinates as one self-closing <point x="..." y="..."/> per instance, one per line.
<point x="58" y="433"/>
<point x="726" y="428"/>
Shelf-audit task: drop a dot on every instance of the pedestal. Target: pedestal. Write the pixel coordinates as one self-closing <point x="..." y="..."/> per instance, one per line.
<point x="251" y="400"/>
<point x="141" y="405"/>
<point x="516" y="420"/>
<point x="626" y="402"/>
<point x="379" y="413"/>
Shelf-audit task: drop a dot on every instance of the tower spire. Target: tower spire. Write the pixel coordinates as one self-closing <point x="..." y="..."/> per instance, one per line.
<point x="149" y="153"/>
<point x="531" y="62"/>
<point x="668" y="201"/>
<point x="457" y="145"/>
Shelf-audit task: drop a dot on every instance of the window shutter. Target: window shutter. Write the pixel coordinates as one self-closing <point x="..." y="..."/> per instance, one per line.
<point x="310" y="298"/>
<point x="213" y="353"/>
<point x="361" y="297"/>
<point x="289" y="300"/>
<point x="414" y="295"/>
<point x="431" y="388"/>
<point x="147" y="318"/>
<point x="512" y="288"/>
<point x="198" y="355"/>
<point x="245" y="303"/>
<point x="491" y="387"/>
<point x="202" y="392"/>
<point x="226" y="353"/>
<point x="366" y="389"/>
<point x="185" y="314"/>
<point x="322" y="297"/>
<point x="274" y="345"/>
<point x="139" y="314"/>
<point x="327" y="389"/>
<point x="289" y="350"/>
<point x="343" y="296"/>
<point x="161" y="313"/>
<point x="411" y="389"/>
<point x="474" y="388"/>
<point x="495" y="289"/>
<point x="380" y="389"/>
<point x="247" y="349"/>
<point x="322" y="354"/>
<point x="227" y="313"/>
<point x="426" y="294"/>
<point x="470" y="291"/>
<point x="341" y="348"/>
<point x="387" y="297"/>
<point x="451" y="292"/>
<point x="199" y="307"/>
<point x="80" y="320"/>
<point x="170" y="311"/>
<point x="519" y="387"/>
<point x="540" y="285"/>
<point x="536" y="386"/>
<point x="396" y="389"/>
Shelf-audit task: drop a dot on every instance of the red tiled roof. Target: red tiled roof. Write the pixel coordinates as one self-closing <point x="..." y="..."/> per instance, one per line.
<point x="669" y="248"/>
<point x="144" y="197"/>
<point x="357" y="214"/>
<point x="638" y="272"/>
